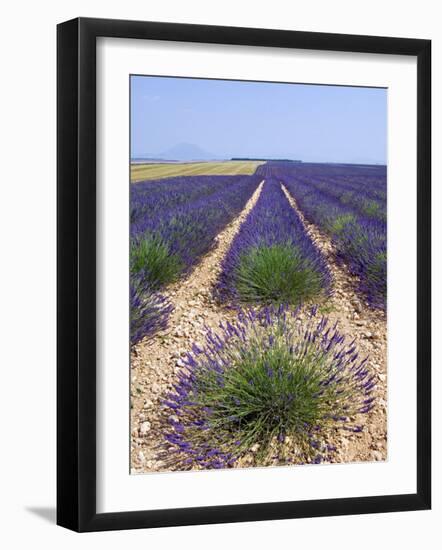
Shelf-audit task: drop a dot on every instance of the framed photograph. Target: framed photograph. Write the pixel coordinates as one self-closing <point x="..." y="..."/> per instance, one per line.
<point x="243" y="274"/>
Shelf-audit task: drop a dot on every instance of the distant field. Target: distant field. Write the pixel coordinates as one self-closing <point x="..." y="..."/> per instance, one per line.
<point x="141" y="172"/>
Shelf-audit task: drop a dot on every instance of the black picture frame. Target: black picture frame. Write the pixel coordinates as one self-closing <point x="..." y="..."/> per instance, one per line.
<point x="76" y="274"/>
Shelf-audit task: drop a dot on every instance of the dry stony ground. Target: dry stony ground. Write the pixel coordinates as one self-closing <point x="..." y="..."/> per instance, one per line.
<point x="155" y="364"/>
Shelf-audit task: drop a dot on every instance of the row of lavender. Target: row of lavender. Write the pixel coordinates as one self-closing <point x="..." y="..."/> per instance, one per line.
<point x="272" y="259"/>
<point x="172" y="228"/>
<point x="371" y="202"/>
<point x="357" y="226"/>
<point x="149" y="198"/>
<point x="366" y="194"/>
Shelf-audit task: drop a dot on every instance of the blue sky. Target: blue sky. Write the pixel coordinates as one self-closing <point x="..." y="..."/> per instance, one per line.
<point x="259" y="119"/>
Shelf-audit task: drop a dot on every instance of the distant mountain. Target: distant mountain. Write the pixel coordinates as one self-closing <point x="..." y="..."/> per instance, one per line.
<point x="187" y="151"/>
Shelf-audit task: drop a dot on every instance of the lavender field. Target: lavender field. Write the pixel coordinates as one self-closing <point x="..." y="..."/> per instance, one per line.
<point x="258" y="317"/>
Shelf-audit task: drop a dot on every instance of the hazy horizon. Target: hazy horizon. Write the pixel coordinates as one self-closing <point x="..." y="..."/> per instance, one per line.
<point x="201" y="119"/>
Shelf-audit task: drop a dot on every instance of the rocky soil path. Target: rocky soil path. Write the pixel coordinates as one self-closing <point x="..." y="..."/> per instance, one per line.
<point x="369" y="328"/>
<point x="155" y="364"/>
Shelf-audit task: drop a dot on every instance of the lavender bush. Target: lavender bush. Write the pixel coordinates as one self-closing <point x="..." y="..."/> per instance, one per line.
<point x="268" y="385"/>
<point x="362" y="245"/>
<point x="149" y="310"/>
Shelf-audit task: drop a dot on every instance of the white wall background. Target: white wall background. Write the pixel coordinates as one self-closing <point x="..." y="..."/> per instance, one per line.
<point x="27" y="289"/>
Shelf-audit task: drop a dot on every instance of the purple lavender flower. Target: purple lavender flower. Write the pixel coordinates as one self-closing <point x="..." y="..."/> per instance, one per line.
<point x="149" y="310"/>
